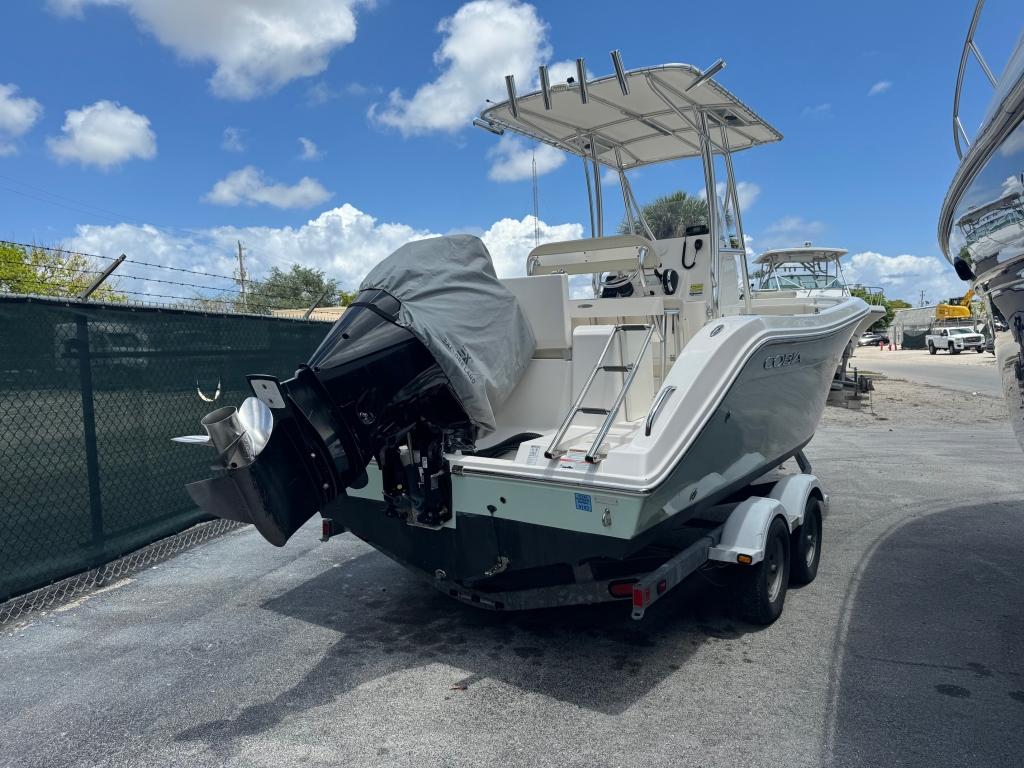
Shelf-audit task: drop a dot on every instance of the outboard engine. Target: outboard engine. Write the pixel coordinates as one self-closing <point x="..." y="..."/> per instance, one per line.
<point x="412" y="370"/>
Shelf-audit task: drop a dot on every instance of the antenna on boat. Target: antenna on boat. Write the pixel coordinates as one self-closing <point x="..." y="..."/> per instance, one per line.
<point x="581" y="75"/>
<point x="620" y="72"/>
<point x="545" y="86"/>
<point x="513" y="102"/>
<point x="707" y="74"/>
<point x="536" y="204"/>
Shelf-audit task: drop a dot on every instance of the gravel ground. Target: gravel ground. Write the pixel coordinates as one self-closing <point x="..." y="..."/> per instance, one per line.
<point x="899" y="403"/>
<point x="966" y="372"/>
<point x="907" y="649"/>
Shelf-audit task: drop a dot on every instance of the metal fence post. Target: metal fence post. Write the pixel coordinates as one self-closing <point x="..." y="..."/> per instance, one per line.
<point x="92" y="463"/>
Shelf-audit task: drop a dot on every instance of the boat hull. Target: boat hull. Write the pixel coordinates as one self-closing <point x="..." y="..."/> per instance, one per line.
<point x="512" y="533"/>
<point x="982" y="223"/>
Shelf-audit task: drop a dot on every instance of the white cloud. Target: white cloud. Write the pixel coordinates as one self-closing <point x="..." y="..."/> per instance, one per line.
<point x="880" y="87"/>
<point x="320" y="92"/>
<point x="513" y="159"/>
<point x="818" y="110"/>
<point x="256" y="47"/>
<point x="103" y="134"/>
<point x="1013" y="184"/>
<point x="17" y="115"/>
<point x="746" y="191"/>
<point x="789" y="231"/>
<point x="484" y="41"/>
<point x="791" y="224"/>
<point x="310" y="151"/>
<point x="904" y="276"/>
<point x="232" y="141"/>
<point x="344" y="242"/>
<point x="250" y="186"/>
<point x="510" y="240"/>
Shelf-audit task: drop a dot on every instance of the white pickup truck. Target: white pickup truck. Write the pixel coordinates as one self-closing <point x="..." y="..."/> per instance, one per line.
<point x="955" y="340"/>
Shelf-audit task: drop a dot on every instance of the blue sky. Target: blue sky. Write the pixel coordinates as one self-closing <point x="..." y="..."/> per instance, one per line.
<point x="169" y="130"/>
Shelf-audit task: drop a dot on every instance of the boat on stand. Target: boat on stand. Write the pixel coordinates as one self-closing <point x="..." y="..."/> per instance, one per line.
<point x="812" y="271"/>
<point x="521" y="446"/>
<point x="981" y="224"/>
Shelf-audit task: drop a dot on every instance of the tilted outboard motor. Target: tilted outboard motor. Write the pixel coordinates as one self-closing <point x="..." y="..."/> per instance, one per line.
<point x="413" y="369"/>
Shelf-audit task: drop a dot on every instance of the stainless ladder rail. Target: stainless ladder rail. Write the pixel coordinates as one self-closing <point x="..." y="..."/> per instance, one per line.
<point x="553" y="450"/>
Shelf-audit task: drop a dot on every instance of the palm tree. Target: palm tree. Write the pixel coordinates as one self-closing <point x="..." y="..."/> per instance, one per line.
<point x="670" y="215"/>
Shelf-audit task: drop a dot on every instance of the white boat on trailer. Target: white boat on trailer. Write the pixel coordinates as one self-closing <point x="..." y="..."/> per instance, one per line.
<point x="522" y="448"/>
<point x="810" y="271"/>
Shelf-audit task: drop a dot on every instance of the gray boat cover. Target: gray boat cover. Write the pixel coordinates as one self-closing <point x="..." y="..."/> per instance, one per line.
<point x="471" y="323"/>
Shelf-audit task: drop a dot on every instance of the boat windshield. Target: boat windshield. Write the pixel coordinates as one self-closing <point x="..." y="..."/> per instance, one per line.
<point x="800" y="277"/>
<point x="801" y="282"/>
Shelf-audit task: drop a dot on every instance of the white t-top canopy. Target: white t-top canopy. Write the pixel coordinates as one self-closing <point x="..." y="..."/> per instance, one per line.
<point x="656" y="122"/>
<point x="803" y="255"/>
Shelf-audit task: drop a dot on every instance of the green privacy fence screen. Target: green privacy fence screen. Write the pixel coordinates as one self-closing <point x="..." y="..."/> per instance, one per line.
<point x="90" y="396"/>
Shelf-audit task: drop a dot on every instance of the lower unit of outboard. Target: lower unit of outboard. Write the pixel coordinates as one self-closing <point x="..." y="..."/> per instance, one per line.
<point x="370" y="391"/>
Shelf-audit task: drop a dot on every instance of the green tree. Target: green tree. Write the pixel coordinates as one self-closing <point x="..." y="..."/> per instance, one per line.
<point x="297" y="288"/>
<point x="670" y="215"/>
<point x="50" y="272"/>
<point x="878" y="297"/>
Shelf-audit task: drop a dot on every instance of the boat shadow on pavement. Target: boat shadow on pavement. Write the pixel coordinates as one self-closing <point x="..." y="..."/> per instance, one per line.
<point x="595" y="657"/>
<point x="931" y="669"/>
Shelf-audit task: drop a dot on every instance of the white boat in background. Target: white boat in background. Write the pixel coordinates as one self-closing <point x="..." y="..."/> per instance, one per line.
<point x="504" y="439"/>
<point x="981" y="225"/>
<point x="811" y="272"/>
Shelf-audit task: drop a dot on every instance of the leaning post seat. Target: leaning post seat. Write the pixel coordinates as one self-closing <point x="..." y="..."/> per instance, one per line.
<point x="618" y="253"/>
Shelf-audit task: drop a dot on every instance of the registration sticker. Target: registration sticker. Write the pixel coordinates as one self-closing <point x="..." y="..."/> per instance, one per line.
<point x="696" y="289"/>
<point x="533" y="457"/>
<point x="583" y="502"/>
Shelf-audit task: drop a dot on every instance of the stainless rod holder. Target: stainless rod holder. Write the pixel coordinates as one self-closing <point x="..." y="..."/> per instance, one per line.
<point x="513" y="102"/>
<point x="620" y="72"/>
<point x="545" y="86"/>
<point x="581" y="76"/>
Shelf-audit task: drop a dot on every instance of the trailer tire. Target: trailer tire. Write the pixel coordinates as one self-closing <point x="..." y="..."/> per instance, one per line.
<point x="761" y="588"/>
<point x="931" y="348"/>
<point x="805" y="545"/>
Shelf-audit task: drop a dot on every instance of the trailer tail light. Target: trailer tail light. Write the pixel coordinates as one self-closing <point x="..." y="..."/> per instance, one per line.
<point x="744" y="559"/>
<point x="621" y="589"/>
<point x="326" y="529"/>
<point x="641" y="597"/>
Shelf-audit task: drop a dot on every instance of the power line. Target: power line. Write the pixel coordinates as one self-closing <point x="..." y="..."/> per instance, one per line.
<point x="114" y="215"/>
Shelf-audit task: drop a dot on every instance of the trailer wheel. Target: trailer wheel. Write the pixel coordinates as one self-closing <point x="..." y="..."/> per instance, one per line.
<point x="761" y="588"/>
<point x="805" y="545"/>
<point x="931" y="348"/>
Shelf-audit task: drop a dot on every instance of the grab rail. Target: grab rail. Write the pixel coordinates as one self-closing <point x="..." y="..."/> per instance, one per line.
<point x="662" y="398"/>
<point x="969" y="48"/>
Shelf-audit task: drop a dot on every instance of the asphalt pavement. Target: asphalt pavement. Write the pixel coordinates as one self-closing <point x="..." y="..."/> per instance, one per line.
<point x="908" y="649"/>
<point x="966" y="372"/>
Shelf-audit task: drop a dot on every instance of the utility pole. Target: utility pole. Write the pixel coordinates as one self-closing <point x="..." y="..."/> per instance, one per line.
<point x="241" y="274"/>
<point x="921" y="304"/>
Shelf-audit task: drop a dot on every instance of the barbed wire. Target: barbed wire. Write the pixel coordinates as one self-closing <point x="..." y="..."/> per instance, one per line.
<point x="261" y="303"/>
<point x="51" y="249"/>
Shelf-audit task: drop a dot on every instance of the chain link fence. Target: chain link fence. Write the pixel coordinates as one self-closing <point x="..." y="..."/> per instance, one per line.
<point x="90" y="397"/>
